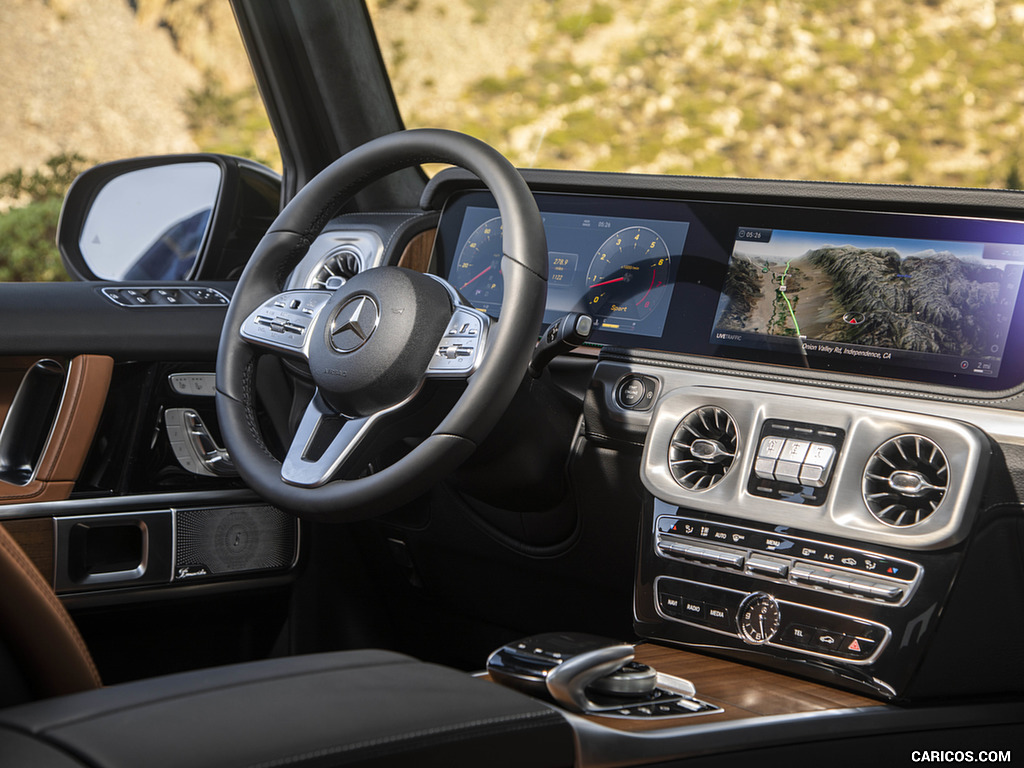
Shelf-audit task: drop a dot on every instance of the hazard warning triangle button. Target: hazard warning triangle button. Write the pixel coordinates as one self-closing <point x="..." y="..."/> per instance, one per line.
<point x="854" y="646"/>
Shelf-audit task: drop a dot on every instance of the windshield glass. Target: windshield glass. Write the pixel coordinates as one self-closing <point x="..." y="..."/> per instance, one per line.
<point x="895" y="91"/>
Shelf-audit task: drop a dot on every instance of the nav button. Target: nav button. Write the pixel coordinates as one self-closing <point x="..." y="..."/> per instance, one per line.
<point x="671" y="605"/>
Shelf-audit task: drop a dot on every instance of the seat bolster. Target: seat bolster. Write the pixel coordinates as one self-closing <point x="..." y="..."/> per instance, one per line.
<point x="39" y="632"/>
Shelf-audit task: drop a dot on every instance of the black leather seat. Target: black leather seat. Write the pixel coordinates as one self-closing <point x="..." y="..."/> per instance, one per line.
<point x="365" y="708"/>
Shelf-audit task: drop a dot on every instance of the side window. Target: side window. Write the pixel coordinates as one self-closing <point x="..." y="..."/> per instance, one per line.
<point x="132" y="79"/>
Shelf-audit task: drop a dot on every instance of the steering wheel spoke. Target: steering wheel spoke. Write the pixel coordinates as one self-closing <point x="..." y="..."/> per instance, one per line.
<point x="463" y="346"/>
<point x="283" y="322"/>
<point x="325" y="441"/>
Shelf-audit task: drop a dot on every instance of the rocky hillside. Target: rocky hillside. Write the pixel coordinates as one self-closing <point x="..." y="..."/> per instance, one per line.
<point x="920" y="91"/>
<point x="925" y="91"/>
<point x="109" y="78"/>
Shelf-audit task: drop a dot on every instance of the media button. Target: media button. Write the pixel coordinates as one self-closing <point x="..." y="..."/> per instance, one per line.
<point x="718" y="617"/>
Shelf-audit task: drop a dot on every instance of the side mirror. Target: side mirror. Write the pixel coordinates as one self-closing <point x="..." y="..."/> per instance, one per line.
<point x="166" y="218"/>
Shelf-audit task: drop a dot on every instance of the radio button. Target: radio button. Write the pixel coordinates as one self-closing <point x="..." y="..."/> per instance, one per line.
<point x="693" y="610"/>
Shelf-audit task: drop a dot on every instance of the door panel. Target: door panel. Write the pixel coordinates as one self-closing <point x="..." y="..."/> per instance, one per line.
<point x="81" y="403"/>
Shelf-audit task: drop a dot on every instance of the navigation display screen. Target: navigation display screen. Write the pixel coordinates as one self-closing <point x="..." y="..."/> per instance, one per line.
<point x="942" y="305"/>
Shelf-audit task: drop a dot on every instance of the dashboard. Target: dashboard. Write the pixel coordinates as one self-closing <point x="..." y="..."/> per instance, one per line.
<point x="824" y="382"/>
<point x="903" y="296"/>
<point x="817" y="386"/>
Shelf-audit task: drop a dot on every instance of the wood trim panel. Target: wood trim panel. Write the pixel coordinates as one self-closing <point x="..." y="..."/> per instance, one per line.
<point x="741" y="691"/>
<point x="85" y="394"/>
<point x="417" y="253"/>
<point x="35" y="537"/>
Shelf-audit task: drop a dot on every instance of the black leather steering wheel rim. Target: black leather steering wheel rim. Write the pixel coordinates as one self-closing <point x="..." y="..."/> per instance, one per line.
<point x="489" y="389"/>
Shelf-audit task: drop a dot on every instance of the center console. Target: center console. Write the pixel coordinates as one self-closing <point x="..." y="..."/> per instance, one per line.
<point x="808" y="535"/>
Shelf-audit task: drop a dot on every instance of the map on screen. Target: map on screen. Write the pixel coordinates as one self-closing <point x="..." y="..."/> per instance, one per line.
<point x="911" y="295"/>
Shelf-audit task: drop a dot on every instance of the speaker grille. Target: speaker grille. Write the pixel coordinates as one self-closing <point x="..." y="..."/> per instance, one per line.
<point x="211" y="542"/>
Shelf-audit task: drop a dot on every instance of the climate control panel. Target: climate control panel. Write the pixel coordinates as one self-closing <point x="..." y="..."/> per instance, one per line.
<point x="786" y="559"/>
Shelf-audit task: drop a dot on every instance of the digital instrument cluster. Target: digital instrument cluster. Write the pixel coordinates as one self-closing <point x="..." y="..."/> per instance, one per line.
<point x="897" y="295"/>
<point x="619" y="270"/>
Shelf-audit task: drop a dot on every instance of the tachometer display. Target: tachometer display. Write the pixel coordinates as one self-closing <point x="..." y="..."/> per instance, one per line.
<point x="627" y="274"/>
<point x="477" y="272"/>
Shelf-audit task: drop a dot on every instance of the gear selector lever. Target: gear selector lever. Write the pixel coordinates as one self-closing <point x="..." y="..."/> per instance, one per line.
<point x="591" y="674"/>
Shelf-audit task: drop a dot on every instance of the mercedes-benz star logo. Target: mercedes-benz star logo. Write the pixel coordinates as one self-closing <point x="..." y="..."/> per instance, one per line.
<point x="354" y="324"/>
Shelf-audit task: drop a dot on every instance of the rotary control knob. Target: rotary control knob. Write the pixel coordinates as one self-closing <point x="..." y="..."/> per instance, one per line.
<point x="759" y="618"/>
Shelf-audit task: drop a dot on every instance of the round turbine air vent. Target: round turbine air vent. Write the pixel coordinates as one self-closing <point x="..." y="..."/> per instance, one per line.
<point x="703" y="448"/>
<point x="905" y="480"/>
<point x="336" y="268"/>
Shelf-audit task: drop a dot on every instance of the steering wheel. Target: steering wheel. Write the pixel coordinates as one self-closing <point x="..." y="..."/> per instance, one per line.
<point x="374" y="343"/>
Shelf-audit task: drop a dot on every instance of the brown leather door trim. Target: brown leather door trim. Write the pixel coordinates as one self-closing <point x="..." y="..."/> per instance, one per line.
<point x="85" y="394"/>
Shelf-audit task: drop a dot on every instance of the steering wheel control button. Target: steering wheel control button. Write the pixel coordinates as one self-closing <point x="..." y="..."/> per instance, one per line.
<point x="283" y="321"/>
<point x="457" y="352"/>
<point x="354" y="323"/>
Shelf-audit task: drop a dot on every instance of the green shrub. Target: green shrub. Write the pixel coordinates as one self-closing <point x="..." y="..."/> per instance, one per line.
<point x="28" y="252"/>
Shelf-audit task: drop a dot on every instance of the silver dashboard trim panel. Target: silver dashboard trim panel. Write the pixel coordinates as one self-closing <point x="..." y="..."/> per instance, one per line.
<point x="868" y="422"/>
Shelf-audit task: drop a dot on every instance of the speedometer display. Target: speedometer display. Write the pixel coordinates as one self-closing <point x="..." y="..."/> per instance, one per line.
<point x="619" y="270"/>
<point x="626" y="275"/>
<point x="477" y="270"/>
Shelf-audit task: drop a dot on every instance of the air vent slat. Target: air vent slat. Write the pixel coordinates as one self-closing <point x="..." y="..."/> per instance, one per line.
<point x="904" y="480"/>
<point x="337" y="267"/>
<point x="703" y="448"/>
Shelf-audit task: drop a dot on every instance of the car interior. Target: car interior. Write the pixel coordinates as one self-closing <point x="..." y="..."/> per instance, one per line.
<point x="350" y="465"/>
